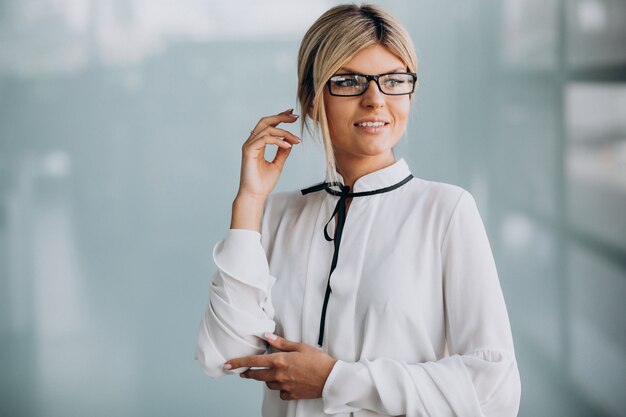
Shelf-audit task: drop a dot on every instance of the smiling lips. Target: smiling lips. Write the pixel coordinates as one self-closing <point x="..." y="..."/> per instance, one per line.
<point x="371" y="125"/>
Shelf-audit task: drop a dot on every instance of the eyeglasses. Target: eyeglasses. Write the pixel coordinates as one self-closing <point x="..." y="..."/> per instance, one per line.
<point x="392" y="84"/>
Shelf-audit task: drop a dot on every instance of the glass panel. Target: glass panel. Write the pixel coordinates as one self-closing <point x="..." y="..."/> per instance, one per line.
<point x="596" y="160"/>
<point x="598" y="332"/>
<point x="596" y="33"/>
<point x="532" y="288"/>
<point x="524" y="145"/>
<point x="529" y="34"/>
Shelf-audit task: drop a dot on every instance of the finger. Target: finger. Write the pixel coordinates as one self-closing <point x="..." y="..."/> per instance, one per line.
<point x="264" y="375"/>
<point x="275" y="131"/>
<point x="281" y="343"/>
<point x="249" y="361"/>
<point x="260" y="143"/>
<point x="284" y="117"/>
<point x="273" y="385"/>
<point x="281" y="157"/>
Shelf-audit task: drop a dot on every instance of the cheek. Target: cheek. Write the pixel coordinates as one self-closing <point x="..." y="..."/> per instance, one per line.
<point x="402" y="114"/>
<point x="338" y="116"/>
<point x="331" y="109"/>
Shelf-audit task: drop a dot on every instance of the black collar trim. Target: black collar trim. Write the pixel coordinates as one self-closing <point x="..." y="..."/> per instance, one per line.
<point x="340" y="210"/>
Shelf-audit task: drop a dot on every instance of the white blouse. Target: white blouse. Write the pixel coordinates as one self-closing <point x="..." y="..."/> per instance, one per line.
<point x="415" y="319"/>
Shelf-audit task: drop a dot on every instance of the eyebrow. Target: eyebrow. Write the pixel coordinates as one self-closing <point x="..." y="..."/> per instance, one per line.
<point x="350" y="70"/>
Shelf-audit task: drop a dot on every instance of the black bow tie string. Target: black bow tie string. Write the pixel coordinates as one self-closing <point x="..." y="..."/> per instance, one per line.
<point x="340" y="210"/>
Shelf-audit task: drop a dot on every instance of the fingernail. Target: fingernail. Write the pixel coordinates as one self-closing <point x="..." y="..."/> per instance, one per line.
<point x="227" y="366"/>
<point x="270" y="336"/>
<point x="295" y="115"/>
<point x="299" y="140"/>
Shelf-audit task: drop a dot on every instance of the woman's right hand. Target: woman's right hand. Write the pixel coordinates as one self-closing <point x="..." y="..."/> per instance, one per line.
<point x="258" y="176"/>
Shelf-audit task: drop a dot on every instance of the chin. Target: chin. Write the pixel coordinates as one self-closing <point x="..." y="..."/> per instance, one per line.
<point x="366" y="147"/>
<point x="369" y="152"/>
<point x="378" y="148"/>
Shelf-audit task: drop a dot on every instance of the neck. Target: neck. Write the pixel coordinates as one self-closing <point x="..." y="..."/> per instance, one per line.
<point x="353" y="167"/>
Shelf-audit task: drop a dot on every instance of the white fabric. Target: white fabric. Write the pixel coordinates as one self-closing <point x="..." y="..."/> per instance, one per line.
<point x="416" y="318"/>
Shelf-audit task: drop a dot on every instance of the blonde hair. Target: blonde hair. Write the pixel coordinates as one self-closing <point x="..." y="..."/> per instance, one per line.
<point x="330" y="42"/>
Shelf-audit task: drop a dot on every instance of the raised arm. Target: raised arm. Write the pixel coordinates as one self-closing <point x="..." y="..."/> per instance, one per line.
<point x="240" y="310"/>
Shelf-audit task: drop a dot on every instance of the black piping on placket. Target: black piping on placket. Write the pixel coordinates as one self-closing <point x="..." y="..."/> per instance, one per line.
<point x="340" y="210"/>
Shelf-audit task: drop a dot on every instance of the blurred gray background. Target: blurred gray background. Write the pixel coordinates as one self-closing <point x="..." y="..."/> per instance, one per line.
<point x="121" y="124"/>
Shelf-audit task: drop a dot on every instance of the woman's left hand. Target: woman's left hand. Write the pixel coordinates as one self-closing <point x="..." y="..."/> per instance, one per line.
<point x="299" y="371"/>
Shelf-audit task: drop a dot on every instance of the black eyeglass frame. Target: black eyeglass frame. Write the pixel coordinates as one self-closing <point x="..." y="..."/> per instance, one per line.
<point x="367" y="85"/>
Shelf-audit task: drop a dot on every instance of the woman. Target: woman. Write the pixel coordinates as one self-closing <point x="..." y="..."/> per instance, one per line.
<point x="381" y="286"/>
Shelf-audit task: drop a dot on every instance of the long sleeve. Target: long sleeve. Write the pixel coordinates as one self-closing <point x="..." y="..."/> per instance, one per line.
<point x="479" y="377"/>
<point x="240" y="309"/>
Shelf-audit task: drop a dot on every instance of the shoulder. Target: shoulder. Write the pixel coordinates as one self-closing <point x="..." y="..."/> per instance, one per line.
<point x="284" y="209"/>
<point x="294" y="199"/>
<point x="281" y="205"/>
<point x="452" y="209"/>
<point x="438" y="189"/>
<point x="280" y="201"/>
<point x="438" y="196"/>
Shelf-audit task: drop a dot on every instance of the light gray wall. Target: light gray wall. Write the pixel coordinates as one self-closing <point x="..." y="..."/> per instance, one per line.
<point x="121" y="123"/>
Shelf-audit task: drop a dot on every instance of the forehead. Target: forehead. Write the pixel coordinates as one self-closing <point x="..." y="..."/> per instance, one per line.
<point x="375" y="59"/>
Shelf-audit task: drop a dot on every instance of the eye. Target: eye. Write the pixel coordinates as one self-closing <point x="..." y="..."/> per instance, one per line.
<point x="345" y="82"/>
<point x="395" y="81"/>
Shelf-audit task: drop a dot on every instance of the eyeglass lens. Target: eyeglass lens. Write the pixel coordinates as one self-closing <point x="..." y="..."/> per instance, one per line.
<point x="355" y="84"/>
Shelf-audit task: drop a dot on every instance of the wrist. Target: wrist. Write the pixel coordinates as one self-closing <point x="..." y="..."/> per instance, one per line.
<point x="247" y="211"/>
<point x="330" y="377"/>
<point x="249" y="199"/>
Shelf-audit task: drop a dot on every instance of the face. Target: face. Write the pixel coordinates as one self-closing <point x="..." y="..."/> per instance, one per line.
<point x="352" y="139"/>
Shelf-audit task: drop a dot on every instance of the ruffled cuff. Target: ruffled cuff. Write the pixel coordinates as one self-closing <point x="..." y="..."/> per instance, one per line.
<point x="241" y="256"/>
<point x="346" y="381"/>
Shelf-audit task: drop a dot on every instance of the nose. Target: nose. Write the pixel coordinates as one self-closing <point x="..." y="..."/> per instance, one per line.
<point x="373" y="97"/>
